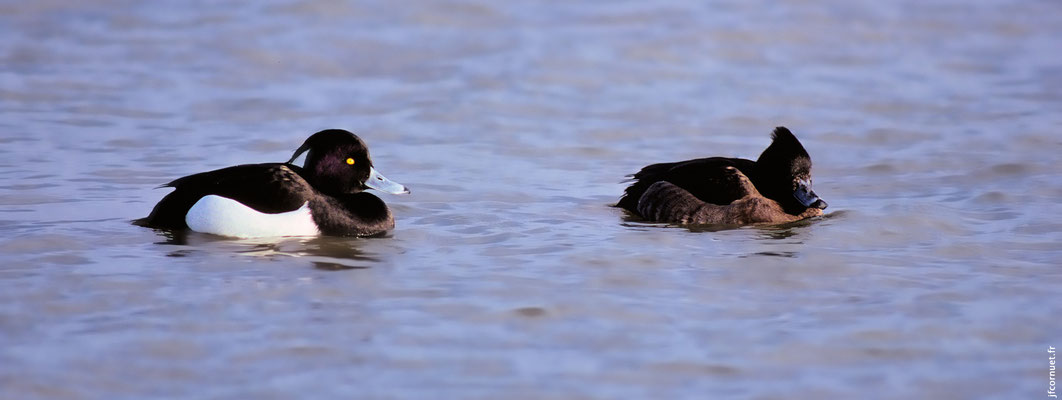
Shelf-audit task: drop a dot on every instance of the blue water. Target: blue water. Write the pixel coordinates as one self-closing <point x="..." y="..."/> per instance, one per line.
<point x="933" y="129"/>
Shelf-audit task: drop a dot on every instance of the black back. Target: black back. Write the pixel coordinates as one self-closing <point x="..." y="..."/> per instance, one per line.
<point x="269" y="188"/>
<point x="705" y="178"/>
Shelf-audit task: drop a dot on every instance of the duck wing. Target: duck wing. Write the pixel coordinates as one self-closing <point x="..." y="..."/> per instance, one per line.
<point x="666" y="202"/>
<point x="268" y="188"/>
<point x="707" y="179"/>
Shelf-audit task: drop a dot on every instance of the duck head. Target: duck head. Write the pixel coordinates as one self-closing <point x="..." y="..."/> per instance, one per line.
<point x="784" y="172"/>
<point x="338" y="162"/>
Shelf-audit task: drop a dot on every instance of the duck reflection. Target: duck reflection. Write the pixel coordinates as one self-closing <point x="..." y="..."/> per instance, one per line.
<point x="323" y="252"/>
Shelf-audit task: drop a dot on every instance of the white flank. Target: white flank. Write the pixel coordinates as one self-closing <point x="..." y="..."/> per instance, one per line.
<point x="228" y="217"/>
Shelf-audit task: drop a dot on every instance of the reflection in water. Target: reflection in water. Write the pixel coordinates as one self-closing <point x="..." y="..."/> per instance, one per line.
<point x="172" y="237"/>
<point x="179" y="253"/>
<point x="778" y="233"/>
<point x="785" y="254"/>
<point x="336" y="253"/>
<point x="324" y="252"/>
<point x="335" y="266"/>
<point x="711" y="228"/>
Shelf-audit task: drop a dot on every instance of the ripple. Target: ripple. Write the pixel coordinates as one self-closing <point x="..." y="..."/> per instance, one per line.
<point x="512" y="123"/>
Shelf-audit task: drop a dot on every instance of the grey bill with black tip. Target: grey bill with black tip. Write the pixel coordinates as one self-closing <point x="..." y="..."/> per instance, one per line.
<point x="381" y="183"/>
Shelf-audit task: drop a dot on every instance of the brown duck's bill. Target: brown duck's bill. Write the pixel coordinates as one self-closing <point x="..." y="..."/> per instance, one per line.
<point x="807" y="197"/>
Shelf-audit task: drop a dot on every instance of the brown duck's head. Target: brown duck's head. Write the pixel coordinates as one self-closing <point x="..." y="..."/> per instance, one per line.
<point x="784" y="172"/>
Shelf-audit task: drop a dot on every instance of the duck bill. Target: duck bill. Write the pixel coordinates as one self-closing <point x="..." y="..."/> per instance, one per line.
<point x="807" y="197"/>
<point x="381" y="183"/>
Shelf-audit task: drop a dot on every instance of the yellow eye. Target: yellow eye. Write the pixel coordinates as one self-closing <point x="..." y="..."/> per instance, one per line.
<point x="350" y="161"/>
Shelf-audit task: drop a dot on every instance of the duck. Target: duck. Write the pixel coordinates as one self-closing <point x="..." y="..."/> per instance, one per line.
<point x="325" y="196"/>
<point x="775" y="188"/>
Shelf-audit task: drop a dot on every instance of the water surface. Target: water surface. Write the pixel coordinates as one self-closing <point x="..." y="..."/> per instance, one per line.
<point x="934" y="129"/>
